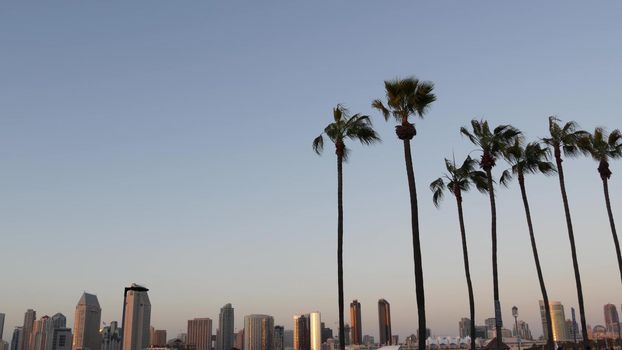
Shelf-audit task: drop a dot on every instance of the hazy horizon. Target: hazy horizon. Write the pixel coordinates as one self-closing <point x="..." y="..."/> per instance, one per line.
<point x="170" y="145"/>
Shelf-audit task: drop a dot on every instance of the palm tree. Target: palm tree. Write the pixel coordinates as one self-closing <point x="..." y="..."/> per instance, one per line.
<point x="567" y="138"/>
<point x="531" y="159"/>
<point x="356" y="127"/>
<point x="460" y="179"/>
<point x="405" y="98"/>
<point x="492" y="143"/>
<point x="602" y="148"/>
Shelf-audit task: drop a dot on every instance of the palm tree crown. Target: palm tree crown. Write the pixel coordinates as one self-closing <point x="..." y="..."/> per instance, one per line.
<point x="491" y="142"/>
<point x="529" y="159"/>
<point x="566" y="138"/>
<point x="406" y="97"/>
<point x="602" y="148"/>
<point x="459" y="179"/>
<point x="356" y="127"/>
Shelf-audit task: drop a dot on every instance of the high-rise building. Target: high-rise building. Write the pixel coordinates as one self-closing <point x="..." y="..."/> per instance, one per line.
<point x="224" y="339"/>
<point x="59" y="321"/>
<point x="490" y="323"/>
<point x="523" y="330"/>
<point x="137" y="322"/>
<point x="355" y="319"/>
<point x="1" y="325"/>
<point x="111" y="337"/>
<point x="15" y="340"/>
<point x="315" y="326"/>
<point x="200" y="333"/>
<point x="258" y="332"/>
<point x="395" y="339"/>
<point x="612" y="321"/>
<point x="327" y="333"/>
<point x="558" y="318"/>
<point x="302" y="336"/>
<point x="384" y="322"/>
<point x="464" y="327"/>
<point x="60" y="340"/>
<point x="86" y="324"/>
<point x="279" y="335"/>
<point x="40" y="330"/>
<point x="158" y="339"/>
<point x="346" y="334"/>
<point x="481" y="332"/>
<point x="288" y="339"/>
<point x="238" y="341"/>
<point x="29" y="321"/>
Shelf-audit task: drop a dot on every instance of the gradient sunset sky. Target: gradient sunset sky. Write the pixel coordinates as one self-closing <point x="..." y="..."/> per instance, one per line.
<point x="169" y="143"/>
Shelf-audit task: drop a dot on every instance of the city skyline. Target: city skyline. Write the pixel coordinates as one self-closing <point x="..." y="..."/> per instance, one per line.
<point x="127" y="140"/>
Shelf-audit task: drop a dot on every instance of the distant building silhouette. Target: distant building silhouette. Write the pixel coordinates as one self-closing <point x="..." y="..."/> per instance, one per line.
<point x="111" y="337"/>
<point x="15" y="340"/>
<point x="238" y="340"/>
<point x="29" y="321"/>
<point x="1" y="325"/>
<point x="86" y="323"/>
<point x="355" y="320"/>
<point x="279" y="335"/>
<point x="612" y="321"/>
<point x="258" y="332"/>
<point x="224" y="339"/>
<point x="315" y="330"/>
<point x="200" y="333"/>
<point x="558" y="318"/>
<point x="384" y="322"/>
<point x="158" y="338"/>
<point x="137" y="323"/>
<point x="327" y="333"/>
<point x="523" y="331"/>
<point x="302" y="332"/>
<point x="464" y="327"/>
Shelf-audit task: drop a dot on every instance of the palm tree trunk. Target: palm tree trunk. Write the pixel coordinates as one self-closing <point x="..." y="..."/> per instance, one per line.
<point x="495" y="278"/>
<point x="612" y="223"/>
<point x="573" y="249"/>
<point x="467" y="271"/>
<point x="550" y="344"/>
<point x="342" y="338"/>
<point x="414" y="214"/>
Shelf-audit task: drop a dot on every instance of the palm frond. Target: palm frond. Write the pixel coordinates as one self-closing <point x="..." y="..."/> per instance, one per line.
<point x="438" y="188"/>
<point x="318" y="145"/>
<point x="506" y="177"/>
<point x="377" y="104"/>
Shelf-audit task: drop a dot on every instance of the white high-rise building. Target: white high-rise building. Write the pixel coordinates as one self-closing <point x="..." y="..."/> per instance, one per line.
<point x="224" y="340"/>
<point x="86" y="323"/>
<point x="315" y="326"/>
<point x="137" y="322"/>
<point x="258" y="332"/>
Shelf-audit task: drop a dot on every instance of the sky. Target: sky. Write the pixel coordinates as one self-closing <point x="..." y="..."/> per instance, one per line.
<point x="169" y="144"/>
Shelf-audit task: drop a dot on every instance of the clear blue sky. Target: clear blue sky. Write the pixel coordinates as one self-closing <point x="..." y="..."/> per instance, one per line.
<point x="169" y="143"/>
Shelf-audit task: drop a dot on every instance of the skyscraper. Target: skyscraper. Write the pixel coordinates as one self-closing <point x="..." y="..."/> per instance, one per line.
<point x="464" y="327"/>
<point x="302" y="336"/>
<point x="612" y="321"/>
<point x="200" y="333"/>
<point x="279" y="338"/>
<point x="523" y="330"/>
<point x="40" y="330"/>
<point x="58" y="335"/>
<point x="384" y="322"/>
<point x="355" y="320"/>
<point x="238" y="341"/>
<point x="29" y="321"/>
<point x="258" y="332"/>
<point x="86" y="323"/>
<point x="315" y="326"/>
<point x="225" y="328"/>
<point x="558" y="318"/>
<point x="137" y="320"/>
<point x="158" y="339"/>
<point x="15" y="340"/>
<point x="111" y="337"/>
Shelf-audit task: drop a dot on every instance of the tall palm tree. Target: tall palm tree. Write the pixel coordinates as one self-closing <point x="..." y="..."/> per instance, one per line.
<point x="357" y="127"/>
<point x="566" y="138"/>
<point x="410" y="97"/>
<point x="460" y="179"/>
<point x="492" y="143"/>
<point x="602" y="148"/>
<point x="531" y="159"/>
